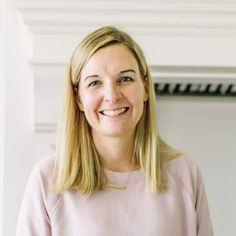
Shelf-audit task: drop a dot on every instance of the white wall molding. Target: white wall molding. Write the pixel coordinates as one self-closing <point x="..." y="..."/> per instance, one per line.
<point x="194" y="74"/>
<point x="2" y="112"/>
<point x="212" y="17"/>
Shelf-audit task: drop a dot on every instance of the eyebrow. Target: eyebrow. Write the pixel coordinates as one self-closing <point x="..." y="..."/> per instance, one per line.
<point x="121" y="72"/>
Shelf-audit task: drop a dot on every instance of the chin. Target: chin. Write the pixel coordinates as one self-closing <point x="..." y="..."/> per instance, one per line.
<point x="114" y="133"/>
<point x="117" y="132"/>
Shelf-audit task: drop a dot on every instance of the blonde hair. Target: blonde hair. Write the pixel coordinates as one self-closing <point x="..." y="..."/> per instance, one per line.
<point x="77" y="163"/>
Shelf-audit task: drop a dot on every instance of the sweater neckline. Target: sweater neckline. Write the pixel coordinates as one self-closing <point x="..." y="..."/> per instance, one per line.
<point x="124" y="178"/>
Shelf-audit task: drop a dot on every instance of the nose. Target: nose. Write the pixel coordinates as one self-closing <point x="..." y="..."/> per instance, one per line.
<point x="112" y="93"/>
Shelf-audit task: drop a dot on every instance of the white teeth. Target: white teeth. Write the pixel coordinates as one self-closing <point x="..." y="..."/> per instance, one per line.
<point x="114" y="112"/>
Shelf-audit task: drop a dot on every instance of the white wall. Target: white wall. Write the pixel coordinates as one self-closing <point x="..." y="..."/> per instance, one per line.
<point x="1" y="113"/>
<point x="205" y="127"/>
<point x="23" y="147"/>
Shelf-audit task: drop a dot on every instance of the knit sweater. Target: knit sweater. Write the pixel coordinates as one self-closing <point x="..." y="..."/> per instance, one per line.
<point x="180" y="211"/>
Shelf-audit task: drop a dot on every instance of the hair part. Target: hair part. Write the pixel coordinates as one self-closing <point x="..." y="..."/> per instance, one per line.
<point x="77" y="163"/>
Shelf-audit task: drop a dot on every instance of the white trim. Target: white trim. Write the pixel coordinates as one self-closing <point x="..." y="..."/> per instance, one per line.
<point x="129" y="5"/>
<point x="45" y="127"/>
<point x="194" y="74"/>
<point x="2" y="132"/>
<point x="156" y="17"/>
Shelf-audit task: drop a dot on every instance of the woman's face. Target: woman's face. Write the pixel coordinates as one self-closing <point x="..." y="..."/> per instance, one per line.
<point x="111" y="92"/>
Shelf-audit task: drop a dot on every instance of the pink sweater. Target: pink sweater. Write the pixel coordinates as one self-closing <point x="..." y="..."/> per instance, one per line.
<point x="181" y="211"/>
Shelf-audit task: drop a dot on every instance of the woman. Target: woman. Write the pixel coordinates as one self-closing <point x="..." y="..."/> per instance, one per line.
<point x="112" y="173"/>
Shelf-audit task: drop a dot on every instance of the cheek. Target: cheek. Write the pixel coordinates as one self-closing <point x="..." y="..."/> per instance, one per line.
<point x="137" y="96"/>
<point x="89" y="102"/>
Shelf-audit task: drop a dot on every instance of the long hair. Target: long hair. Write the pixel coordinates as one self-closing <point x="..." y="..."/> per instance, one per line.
<point x="77" y="163"/>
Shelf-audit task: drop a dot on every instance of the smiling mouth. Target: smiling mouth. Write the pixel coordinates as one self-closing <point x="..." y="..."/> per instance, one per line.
<point x="115" y="112"/>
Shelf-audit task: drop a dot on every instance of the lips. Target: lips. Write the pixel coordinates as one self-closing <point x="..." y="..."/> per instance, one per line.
<point x="114" y="112"/>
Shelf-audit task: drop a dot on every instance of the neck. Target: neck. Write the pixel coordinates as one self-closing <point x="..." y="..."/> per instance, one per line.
<point x="116" y="152"/>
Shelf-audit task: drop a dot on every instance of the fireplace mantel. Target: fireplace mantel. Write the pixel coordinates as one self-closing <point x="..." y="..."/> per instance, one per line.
<point x="187" y="43"/>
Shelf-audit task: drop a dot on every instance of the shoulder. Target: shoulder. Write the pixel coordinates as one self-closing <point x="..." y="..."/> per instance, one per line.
<point x="183" y="172"/>
<point x="44" y="167"/>
<point x="39" y="187"/>
<point x="181" y="165"/>
<point x="41" y="174"/>
<point x="39" y="202"/>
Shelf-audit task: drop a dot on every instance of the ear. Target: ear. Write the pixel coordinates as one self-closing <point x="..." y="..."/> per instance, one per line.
<point x="78" y="99"/>
<point x="146" y="90"/>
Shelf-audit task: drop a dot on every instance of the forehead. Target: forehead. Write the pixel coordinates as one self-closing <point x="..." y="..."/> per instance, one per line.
<point x="110" y="60"/>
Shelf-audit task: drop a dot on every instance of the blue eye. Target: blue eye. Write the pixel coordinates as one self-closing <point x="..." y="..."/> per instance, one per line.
<point x="126" y="79"/>
<point x="93" y="83"/>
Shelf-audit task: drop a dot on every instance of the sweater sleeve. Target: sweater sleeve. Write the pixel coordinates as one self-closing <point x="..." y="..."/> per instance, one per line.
<point x="33" y="218"/>
<point x="204" y="225"/>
